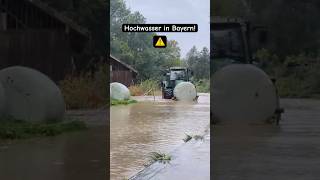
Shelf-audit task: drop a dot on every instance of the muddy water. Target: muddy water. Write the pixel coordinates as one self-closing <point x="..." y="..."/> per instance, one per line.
<point x="160" y="125"/>
<point x="76" y="155"/>
<point x="289" y="151"/>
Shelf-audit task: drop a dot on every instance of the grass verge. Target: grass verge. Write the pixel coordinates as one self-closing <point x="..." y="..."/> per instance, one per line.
<point x="16" y="129"/>
<point x="122" y="102"/>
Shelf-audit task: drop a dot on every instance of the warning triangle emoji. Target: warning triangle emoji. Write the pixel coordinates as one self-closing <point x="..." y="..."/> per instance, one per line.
<point x="160" y="43"/>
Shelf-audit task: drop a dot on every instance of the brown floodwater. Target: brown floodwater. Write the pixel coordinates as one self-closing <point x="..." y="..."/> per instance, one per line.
<point x="288" y="151"/>
<point x="152" y="125"/>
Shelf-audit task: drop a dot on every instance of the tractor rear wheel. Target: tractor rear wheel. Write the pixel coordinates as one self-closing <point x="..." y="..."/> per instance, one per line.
<point x="167" y="93"/>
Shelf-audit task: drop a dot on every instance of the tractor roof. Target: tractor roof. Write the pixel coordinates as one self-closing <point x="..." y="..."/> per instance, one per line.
<point x="175" y="68"/>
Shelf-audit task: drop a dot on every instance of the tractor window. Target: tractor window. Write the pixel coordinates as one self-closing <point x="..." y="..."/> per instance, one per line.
<point x="177" y="75"/>
<point x="228" y="43"/>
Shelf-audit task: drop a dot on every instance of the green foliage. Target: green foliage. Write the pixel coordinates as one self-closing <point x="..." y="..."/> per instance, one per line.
<point x="122" y="102"/>
<point x="199" y="63"/>
<point x="293" y="26"/>
<point x="297" y="76"/>
<point x="148" y="85"/>
<point x="16" y="129"/>
<point x="203" y="86"/>
<point x="87" y="90"/>
<point x="159" y="157"/>
<point x="136" y="48"/>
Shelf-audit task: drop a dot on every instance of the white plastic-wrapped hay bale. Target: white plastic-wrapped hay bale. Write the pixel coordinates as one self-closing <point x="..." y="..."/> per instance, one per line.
<point x="119" y="91"/>
<point x="2" y="100"/>
<point x="31" y="95"/>
<point x="243" y="94"/>
<point x="185" y="91"/>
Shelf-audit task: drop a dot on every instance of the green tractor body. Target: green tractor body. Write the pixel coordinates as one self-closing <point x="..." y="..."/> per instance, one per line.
<point x="172" y="77"/>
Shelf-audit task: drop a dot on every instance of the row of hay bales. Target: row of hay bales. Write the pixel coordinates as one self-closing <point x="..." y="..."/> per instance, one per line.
<point x="29" y="95"/>
<point x="184" y="91"/>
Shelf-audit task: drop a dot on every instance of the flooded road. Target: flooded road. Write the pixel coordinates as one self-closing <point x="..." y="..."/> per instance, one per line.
<point x="148" y="126"/>
<point x="76" y="155"/>
<point x="289" y="151"/>
<point x="189" y="162"/>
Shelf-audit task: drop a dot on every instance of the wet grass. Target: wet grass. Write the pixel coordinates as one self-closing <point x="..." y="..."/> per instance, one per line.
<point x="122" y="102"/>
<point x="198" y="137"/>
<point x="195" y="137"/>
<point x="17" y="129"/>
<point x="159" y="157"/>
<point x="187" y="138"/>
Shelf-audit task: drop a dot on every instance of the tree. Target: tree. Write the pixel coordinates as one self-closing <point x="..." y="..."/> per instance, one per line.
<point x="199" y="62"/>
<point x="136" y="49"/>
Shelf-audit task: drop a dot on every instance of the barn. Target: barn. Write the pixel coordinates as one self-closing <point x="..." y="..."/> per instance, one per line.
<point x="35" y="35"/>
<point x="122" y="72"/>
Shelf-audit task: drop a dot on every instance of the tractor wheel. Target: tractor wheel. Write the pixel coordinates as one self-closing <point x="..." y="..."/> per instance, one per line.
<point x="167" y="93"/>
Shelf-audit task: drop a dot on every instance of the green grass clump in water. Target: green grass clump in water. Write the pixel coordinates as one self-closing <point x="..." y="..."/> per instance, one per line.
<point x="122" y="102"/>
<point x="195" y="137"/>
<point x="187" y="138"/>
<point x="198" y="137"/>
<point x="159" y="157"/>
<point x="16" y="129"/>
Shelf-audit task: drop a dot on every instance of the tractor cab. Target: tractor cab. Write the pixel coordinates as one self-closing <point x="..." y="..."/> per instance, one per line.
<point x="231" y="56"/>
<point x="230" y="37"/>
<point x="172" y="77"/>
<point x="233" y="40"/>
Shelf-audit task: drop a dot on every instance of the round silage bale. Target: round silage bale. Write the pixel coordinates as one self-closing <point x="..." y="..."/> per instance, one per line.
<point x="185" y="91"/>
<point x="243" y="94"/>
<point x="119" y="91"/>
<point x="31" y="95"/>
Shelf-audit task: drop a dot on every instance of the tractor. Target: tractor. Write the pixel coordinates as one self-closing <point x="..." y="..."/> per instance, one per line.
<point x="172" y="77"/>
<point x="231" y="40"/>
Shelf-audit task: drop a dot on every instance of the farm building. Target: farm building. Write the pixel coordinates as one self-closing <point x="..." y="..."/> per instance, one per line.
<point x="35" y="35"/>
<point x="122" y="72"/>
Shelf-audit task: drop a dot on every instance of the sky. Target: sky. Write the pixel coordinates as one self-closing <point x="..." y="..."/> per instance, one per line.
<point x="178" y="12"/>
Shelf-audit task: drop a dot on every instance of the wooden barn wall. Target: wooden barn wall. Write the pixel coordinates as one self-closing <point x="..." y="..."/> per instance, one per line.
<point x="44" y="50"/>
<point x="124" y="77"/>
<point x="121" y="74"/>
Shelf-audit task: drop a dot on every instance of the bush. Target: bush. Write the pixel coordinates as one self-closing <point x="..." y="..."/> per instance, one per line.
<point x="203" y="86"/>
<point x="146" y="87"/>
<point x="136" y="90"/>
<point x="86" y="90"/>
<point x="297" y="75"/>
